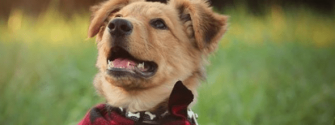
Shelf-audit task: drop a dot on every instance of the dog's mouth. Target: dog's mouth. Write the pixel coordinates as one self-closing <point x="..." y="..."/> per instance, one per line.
<point x="121" y="63"/>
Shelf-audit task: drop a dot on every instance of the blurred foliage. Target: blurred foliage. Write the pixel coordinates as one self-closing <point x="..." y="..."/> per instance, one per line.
<point x="69" y="7"/>
<point x="281" y="26"/>
<point x="259" y="6"/>
<point x="272" y="69"/>
<point x="36" y="7"/>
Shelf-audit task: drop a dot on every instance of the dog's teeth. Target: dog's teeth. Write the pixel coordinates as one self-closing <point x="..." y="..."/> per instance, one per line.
<point x="128" y="64"/>
<point x="140" y="66"/>
<point x="110" y="64"/>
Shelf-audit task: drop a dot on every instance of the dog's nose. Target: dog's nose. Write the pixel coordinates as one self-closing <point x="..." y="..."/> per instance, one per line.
<point x="120" y="27"/>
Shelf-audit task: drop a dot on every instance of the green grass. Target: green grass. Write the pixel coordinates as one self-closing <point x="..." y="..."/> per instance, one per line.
<point x="269" y="85"/>
<point x="274" y="69"/>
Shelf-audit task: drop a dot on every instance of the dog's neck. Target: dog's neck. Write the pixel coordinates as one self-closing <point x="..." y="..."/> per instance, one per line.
<point x="137" y="101"/>
<point x="177" y="107"/>
<point x="140" y="101"/>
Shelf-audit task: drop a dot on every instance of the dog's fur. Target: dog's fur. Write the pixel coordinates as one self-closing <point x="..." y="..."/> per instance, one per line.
<point x="180" y="51"/>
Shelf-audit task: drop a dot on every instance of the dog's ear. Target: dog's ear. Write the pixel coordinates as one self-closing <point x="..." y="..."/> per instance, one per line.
<point x="201" y="23"/>
<point x="102" y="11"/>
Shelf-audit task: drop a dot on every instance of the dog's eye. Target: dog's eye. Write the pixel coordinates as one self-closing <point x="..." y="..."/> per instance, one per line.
<point x="158" y="24"/>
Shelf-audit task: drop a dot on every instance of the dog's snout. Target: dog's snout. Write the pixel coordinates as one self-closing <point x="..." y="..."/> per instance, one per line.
<point x="120" y="27"/>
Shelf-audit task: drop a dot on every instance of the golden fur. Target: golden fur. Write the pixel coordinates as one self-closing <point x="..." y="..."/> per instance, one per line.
<point x="180" y="52"/>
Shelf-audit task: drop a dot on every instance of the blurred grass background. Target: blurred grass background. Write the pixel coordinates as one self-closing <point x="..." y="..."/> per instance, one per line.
<point x="275" y="68"/>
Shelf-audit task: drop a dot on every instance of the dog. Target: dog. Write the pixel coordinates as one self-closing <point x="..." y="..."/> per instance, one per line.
<point x="144" y="48"/>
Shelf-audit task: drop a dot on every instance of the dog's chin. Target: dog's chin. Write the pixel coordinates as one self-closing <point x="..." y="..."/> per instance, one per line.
<point x="125" y="70"/>
<point x="125" y="82"/>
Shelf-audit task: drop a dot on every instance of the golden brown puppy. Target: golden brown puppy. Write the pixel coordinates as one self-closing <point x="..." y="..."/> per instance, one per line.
<point x="145" y="47"/>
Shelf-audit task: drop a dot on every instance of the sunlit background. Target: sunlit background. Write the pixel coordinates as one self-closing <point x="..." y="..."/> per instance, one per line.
<point x="274" y="66"/>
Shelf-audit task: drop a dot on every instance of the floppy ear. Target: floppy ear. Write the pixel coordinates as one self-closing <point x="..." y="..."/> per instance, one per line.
<point x="101" y="12"/>
<point x="206" y="26"/>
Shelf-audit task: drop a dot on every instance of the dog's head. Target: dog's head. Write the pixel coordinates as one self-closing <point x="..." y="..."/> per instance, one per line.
<point x="144" y="45"/>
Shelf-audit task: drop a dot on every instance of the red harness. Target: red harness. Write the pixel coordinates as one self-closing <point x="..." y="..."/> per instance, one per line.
<point x="177" y="113"/>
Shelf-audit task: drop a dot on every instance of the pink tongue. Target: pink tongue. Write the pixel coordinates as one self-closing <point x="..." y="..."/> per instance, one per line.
<point x="120" y="62"/>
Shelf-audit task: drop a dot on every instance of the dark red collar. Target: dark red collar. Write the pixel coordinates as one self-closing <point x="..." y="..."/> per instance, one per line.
<point x="176" y="114"/>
